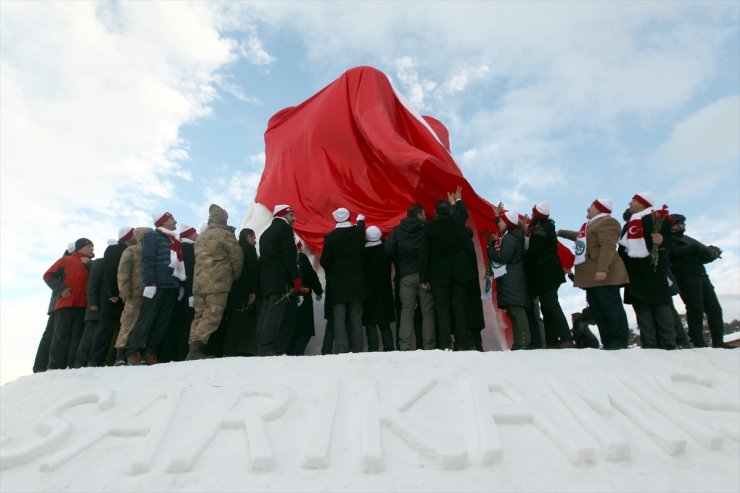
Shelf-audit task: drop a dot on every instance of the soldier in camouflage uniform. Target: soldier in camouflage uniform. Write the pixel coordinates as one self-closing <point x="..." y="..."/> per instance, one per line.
<point x="130" y="287"/>
<point x="218" y="261"/>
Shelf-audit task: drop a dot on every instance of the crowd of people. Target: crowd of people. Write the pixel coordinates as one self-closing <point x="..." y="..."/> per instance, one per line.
<point x="159" y="296"/>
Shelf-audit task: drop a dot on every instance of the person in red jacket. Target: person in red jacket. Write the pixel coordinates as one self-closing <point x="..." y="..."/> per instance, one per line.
<point x="68" y="278"/>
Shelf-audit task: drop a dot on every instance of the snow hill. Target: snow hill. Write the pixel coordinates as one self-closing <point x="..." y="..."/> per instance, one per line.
<point x="548" y="420"/>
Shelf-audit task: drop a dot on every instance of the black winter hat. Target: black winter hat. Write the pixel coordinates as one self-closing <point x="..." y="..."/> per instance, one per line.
<point x="677" y="219"/>
<point x="82" y="243"/>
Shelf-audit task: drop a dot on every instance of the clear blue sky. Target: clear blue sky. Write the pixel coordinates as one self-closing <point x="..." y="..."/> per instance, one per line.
<point x="112" y="110"/>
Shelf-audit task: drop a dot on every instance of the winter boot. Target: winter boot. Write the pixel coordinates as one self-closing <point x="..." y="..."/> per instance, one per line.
<point x="150" y="357"/>
<point x="195" y="351"/>
<point x="135" y="359"/>
<point x="120" y="357"/>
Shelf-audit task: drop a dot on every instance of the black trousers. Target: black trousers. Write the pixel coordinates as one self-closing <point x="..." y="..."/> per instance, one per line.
<point x="557" y="330"/>
<point x="697" y="293"/>
<point x="41" y="362"/>
<point x="611" y="319"/>
<point x="83" y="350"/>
<point x="68" y="328"/>
<point x="449" y="303"/>
<point x="109" y="324"/>
<point x="655" y="323"/>
<point x="276" y="325"/>
<point x="373" y="342"/>
<point x="154" y="319"/>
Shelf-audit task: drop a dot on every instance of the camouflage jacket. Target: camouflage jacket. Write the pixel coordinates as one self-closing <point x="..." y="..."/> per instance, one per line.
<point x="218" y="260"/>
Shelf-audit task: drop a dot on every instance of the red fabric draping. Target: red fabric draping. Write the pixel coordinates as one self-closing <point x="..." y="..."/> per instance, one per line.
<point x="355" y="145"/>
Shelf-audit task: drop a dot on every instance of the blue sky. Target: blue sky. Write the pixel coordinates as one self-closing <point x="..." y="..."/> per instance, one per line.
<point x="110" y="111"/>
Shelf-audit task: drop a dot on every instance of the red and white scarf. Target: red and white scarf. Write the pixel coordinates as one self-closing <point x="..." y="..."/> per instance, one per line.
<point x="633" y="239"/>
<point x="498" y="269"/>
<point x="177" y="263"/>
<point x="582" y="240"/>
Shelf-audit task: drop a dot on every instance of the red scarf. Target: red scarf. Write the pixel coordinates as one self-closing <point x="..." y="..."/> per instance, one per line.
<point x="633" y="239"/>
<point x="176" y="257"/>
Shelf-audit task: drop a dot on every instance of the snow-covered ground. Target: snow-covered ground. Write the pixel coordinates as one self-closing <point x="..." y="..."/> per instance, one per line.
<point x="548" y="420"/>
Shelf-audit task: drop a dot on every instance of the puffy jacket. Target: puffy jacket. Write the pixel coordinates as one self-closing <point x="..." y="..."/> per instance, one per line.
<point x="512" y="286"/>
<point x="68" y="272"/>
<point x="155" y="261"/>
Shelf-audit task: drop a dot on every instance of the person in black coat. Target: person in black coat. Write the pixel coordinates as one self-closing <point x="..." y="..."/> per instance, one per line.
<point x="545" y="275"/>
<point x="648" y="291"/>
<point x="378" y="311"/>
<point x="507" y="257"/>
<point x="444" y="269"/>
<point x="311" y="284"/>
<point x="413" y="302"/>
<point x="240" y="316"/>
<point x="341" y="259"/>
<point x="473" y="303"/>
<point x="111" y="306"/>
<point x="687" y="258"/>
<point x="279" y="283"/>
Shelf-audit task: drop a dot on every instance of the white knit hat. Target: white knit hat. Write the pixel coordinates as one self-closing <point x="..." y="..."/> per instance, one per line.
<point x="160" y="218"/>
<point x="125" y="233"/>
<point x="645" y="198"/>
<point x="281" y="210"/>
<point x="186" y="230"/>
<point x="604" y="205"/>
<point x="340" y="215"/>
<point x="373" y="233"/>
<point x="541" y="209"/>
<point x="511" y="218"/>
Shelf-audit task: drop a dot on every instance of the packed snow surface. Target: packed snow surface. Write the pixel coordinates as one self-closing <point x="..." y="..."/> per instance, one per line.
<point x="547" y="420"/>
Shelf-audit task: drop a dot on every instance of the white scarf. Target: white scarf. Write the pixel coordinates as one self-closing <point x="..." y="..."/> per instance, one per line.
<point x="176" y="259"/>
<point x="634" y="237"/>
<point x="582" y="241"/>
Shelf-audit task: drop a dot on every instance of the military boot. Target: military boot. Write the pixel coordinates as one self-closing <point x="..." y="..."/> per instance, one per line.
<point x="120" y="357"/>
<point x="195" y="351"/>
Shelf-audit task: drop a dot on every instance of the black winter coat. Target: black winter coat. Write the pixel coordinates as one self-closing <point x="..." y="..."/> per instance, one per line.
<point x="188" y="258"/>
<point x="541" y="262"/>
<point x="246" y="283"/>
<point x="277" y="264"/>
<point x="96" y="290"/>
<point x="403" y="244"/>
<point x="111" y="259"/>
<point x="688" y="256"/>
<point x="309" y="279"/>
<point x="341" y="259"/>
<point x="378" y="307"/>
<point x="511" y="287"/>
<point x="441" y="256"/>
<point x="648" y="285"/>
<point x="473" y="304"/>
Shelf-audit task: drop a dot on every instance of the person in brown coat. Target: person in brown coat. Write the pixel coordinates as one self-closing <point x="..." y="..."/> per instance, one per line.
<point x="601" y="272"/>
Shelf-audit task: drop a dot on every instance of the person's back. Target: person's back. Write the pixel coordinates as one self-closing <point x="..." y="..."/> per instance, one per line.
<point x="218" y="261"/>
<point x="130" y="289"/>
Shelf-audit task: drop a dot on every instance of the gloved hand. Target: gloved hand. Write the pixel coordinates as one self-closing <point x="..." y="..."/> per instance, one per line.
<point x="180" y="294"/>
<point x="150" y="291"/>
<point x="360" y="217"/>
<point x="296" y="284"/>
<point x="191" y="302"/>
<point x="318" y="297"/>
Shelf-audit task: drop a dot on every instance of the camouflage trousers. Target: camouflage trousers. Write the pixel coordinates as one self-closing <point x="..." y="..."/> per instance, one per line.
<point x="209" y="310"/>
<point x="130" y="314"/>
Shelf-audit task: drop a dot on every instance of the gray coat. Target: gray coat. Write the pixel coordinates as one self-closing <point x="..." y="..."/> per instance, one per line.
<point x="511" y="287"/>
